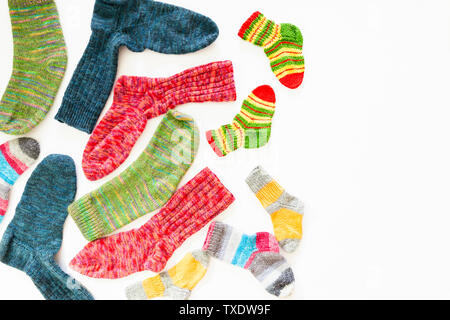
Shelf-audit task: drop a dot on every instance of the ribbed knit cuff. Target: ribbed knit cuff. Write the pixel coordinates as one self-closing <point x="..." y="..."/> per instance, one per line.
<point x="71" y="114"/>
<point x="218" y="232"/>
<point x="248" y="23"/>
<point x="258" y="178"/>
<point x="87" y="218"/>
<point x="27" y="3"/>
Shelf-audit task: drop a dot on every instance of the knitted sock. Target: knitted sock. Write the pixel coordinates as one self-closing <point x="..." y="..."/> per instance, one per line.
<point x="258" y="253"/>
<point x="16" y="156"/>
<point x="139" y="25"/>
<point x="251" y="127"/>
<point x="282" y="44"/>
<point x="138" y="99"/>
<point x="150" y="246"/>
<point x="34" y="236"/>
<point x="286" y="211"/>
<point x="146" y="185"/>
<point x="39" y="64"/>
<point x="177" y="283"/>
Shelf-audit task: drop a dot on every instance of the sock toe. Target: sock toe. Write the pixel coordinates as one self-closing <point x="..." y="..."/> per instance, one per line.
<point x="265" y="93"/>
<point x="283" y="286"/>
<point x="136" y="292"/>
<point x="30" y="147"/>
<point x="289" y="245"/>
<point x="292" y="81"/>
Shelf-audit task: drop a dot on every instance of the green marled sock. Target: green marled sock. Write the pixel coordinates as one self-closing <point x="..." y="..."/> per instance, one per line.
<point x="39" y="64"/>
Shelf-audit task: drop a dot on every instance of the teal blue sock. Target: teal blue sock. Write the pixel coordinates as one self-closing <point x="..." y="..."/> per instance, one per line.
<point x="34" y="236"/>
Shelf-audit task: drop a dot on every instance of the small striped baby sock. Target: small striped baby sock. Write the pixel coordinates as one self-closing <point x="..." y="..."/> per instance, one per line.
<point x="177" y="283"/>
<point x="282" y="43"/>
<point x="16" y="156"/>
<point x="39" y="64"/>
<point x="285" y="210"/>
<point x="251" y="128"/>
<point x="258" y="253"/>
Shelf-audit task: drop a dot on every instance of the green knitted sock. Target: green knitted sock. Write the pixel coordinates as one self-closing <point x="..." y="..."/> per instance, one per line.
<point x="146" y="185"/>
<point x="39" y="64"/>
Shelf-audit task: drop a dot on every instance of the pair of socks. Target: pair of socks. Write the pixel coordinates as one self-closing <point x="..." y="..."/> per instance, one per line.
<point x="139" y="99"/>
<point x="259" y="253"/>
<point x="146" y="185"/>
<point x="150" y="246"/>
<point x="16" y="156"/>
<point x="34" y="236"/>
<point x="39" y="65"/>
<point x="138" y="25"/>
<point x="251" y="127"/>
<point x="282" y="44"/>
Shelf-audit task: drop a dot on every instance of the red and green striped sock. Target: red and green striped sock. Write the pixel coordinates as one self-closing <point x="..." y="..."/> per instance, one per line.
<point x="282" y="43"/>
<point x="251" y="127"/>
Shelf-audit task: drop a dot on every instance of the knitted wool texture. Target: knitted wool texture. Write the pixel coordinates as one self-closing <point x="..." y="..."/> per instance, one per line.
<point x="144" y="186"/>
<point x="139" y="25"/>
<point x="251" y="127"/>
<point x="16" y="156"/>
<point x="149" y="247"/>
<point x="34" y="236"/>
<point x="176" y="283"/>
<point x="138" y="99"/>
<point x="286" y="211"/>
<point x="283" y="45"/>
<point x="258" y="253"/>
<point x="38" y="68"/>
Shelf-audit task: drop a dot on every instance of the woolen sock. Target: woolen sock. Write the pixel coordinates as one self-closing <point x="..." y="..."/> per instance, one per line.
<point x="139" y="99"/>
<point x="151" y="246"/>
<point x="286" y="211"/>
<point x="16" y="156"/>
<point x="176" y="283"/>
<point x="38" y="68"/>
<point x="138" y="25"/>
<point x="258" y="253"/>
<point x="34" y="236"/>
<point x="251" y="128"/>
<point x="146" y="185"/>
<point x="283" y="45"/>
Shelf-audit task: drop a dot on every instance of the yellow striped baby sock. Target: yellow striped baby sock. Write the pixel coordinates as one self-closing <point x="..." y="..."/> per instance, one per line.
<point x="285" y="210"/>
<point x="283" y="45"/>
<point x="177" y="283"/>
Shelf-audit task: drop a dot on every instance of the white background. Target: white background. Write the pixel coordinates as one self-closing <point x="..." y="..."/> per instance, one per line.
<point x="364" y="142"/>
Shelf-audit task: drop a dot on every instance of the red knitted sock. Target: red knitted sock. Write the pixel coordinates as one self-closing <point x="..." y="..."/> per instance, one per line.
<point x="149" y="247"/>
<point x="138" y="99"/>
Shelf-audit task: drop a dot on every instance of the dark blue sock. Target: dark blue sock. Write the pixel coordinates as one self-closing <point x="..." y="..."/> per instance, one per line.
<point x="139" y="25"/>
<point x="34" y="236"/>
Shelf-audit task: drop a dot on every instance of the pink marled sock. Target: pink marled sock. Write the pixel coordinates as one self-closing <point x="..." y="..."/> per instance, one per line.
<point x="138" y="99"/>
<point x="149" y="247"/>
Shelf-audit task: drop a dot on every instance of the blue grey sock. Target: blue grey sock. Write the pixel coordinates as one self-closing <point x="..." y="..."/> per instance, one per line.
<point x="34" y="236"/>
<point x="139" y="25"/>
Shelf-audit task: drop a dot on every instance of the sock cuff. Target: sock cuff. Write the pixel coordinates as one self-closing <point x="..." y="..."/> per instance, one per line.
<point x="258" y="179"/>
<point x="87" y="218"/>
<point x="214" y="237"/>
<point x="78" y="117"/>
<point x="247" y="26"/>
<point x="27" y="3"/>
